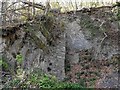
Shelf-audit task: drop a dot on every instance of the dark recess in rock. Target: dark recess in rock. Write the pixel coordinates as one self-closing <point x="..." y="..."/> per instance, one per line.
<point x="48" y="69"/>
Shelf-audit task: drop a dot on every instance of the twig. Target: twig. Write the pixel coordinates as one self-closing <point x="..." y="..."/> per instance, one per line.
<point x="105" y="36"/>
<point x="40" y="6"/>
<point x="103" y="33"/>
<point x="17" y="9"/>
<point x="76" y="7"/>
<point x="47" y="8"/>
<point x="72" y="4"/>
<point x="11" y="5"/>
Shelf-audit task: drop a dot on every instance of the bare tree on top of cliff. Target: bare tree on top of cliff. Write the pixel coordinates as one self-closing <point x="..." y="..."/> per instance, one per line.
<point x="33" y="8"/>
<point x="47" y="6"/>
<point x="76" y="7"/>
<point x="28" y="11"/>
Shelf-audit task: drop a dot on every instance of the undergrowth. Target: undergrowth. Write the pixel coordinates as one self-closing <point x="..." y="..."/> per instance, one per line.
<point x="38" y="79"/>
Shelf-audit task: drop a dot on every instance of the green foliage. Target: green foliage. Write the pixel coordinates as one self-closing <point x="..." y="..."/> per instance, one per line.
<point x="19" y="58"/>
<point x="3" y="64"/>
<point x="82" y="82"/>
<point x="15" y="82"/>
<point x="68" y="85"/>
<point x="49" y="82"/>
<point x="43" y="81"/>
<point x="0" y="62"/>
<point x="19" y="71"/>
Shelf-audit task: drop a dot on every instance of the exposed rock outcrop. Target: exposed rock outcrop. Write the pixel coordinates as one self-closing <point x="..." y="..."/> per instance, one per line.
<point x="82" y="32"/>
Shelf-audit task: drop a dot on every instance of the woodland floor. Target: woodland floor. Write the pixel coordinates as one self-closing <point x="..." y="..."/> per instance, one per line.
<point x="95" y="73"/>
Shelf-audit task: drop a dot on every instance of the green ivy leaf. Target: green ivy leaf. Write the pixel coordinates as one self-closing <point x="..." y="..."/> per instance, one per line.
<point x="19" y="58"/>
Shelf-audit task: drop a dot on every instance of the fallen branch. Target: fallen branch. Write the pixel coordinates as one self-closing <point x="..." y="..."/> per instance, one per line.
<point x="35" y="5"/>
<point x="17" y="9"/>
<point x="11" y="5"/>
<point x="103" y="33"/>
<point x="105" y="36"/>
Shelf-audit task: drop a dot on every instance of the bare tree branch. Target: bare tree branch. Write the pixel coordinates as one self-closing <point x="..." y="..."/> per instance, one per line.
<point x="40" y="6"/>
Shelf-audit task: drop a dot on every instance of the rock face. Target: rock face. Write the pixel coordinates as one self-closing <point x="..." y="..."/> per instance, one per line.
<point x="52" y="63"/>
<point x="83" y="32"/>
<point x="75" y="42"/>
